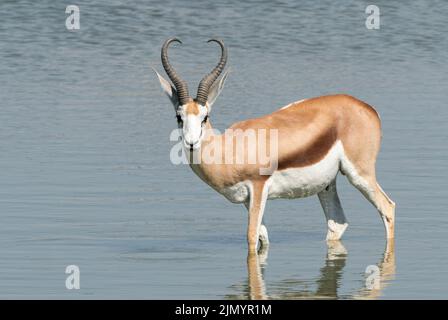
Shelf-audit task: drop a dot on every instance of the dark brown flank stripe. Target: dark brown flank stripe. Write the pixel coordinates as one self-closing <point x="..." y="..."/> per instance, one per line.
<point x="316" y="150"/>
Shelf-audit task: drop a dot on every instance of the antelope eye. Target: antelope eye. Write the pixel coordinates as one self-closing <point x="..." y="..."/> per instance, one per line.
<point x="205" y="119"/>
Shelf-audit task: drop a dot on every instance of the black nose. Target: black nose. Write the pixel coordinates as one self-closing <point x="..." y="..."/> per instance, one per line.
<point x="191" y="146"/>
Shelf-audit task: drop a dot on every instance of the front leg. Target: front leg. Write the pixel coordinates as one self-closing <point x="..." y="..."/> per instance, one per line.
<point x="263" y="230"/>
<point x="255" y="230"/>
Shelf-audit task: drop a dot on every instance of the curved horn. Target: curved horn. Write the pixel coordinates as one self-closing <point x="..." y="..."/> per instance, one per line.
<point x="207" y="81"/>
<point x="181" y="85"/>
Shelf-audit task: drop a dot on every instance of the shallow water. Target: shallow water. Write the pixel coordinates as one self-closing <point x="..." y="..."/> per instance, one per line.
<point x="84" y="150"/>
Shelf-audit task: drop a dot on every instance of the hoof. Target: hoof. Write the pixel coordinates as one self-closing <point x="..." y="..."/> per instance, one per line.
<point x="335" y="230"/>
<point x="263" y="236"/>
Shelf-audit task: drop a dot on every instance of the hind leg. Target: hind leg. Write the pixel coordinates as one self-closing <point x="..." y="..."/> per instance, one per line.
<point x="336" y="221"/>
<point x="365" y="181"/>
<point x="386" y="208"/>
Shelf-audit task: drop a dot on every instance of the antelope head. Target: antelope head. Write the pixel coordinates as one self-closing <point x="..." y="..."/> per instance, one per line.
<point x="192" y="114"/>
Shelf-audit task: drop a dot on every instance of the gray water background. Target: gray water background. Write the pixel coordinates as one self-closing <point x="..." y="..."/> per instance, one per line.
<point x="85" y="176"/>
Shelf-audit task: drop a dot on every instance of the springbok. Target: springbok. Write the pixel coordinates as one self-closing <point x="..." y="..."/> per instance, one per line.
<point x="316" y="138"/>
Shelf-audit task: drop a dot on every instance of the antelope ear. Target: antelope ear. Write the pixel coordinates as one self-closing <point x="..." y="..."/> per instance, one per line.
<point x="216" y="89"/>
<point x="169" y="90"/>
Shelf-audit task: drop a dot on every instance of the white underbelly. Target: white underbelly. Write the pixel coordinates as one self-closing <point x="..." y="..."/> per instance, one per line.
<point x="306" y="181"/>
<point x="295" y="182"/>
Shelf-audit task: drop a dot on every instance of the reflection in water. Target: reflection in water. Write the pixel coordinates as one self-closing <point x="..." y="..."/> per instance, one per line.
<point x="387" y="271"/>
<point x="327" y="283"/>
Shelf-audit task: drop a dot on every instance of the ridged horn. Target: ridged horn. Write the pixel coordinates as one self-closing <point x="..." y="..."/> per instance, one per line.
<point x="179" y="84"/>
<point x="207" y="81"/>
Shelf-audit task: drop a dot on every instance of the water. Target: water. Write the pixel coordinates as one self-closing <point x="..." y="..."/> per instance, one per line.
<point x="84" y="149"/>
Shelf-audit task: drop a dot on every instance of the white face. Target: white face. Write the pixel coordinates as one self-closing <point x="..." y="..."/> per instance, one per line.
<point x="192" y="116"/>
<point x="192" y="119"/>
